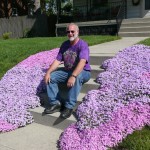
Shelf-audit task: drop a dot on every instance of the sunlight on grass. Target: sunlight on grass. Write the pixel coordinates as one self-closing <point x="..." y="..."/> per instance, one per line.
<point x="145" y="42"/>
<point x="139" y="140"/>
<point x="12" y="51"/>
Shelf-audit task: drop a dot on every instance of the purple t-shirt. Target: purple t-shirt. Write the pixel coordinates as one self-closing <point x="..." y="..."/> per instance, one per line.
<point x="71" y="54"/>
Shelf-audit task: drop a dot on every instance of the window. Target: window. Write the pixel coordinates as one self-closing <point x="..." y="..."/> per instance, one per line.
<point x="147" y="4"/>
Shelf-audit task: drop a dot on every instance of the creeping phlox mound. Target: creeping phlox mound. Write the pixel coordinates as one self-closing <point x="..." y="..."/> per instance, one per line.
<point x="118" y="107"/>
<point x="19" y="89"/>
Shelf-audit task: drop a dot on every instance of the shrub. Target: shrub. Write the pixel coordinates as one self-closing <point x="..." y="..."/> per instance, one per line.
<point x="7" y="35"/>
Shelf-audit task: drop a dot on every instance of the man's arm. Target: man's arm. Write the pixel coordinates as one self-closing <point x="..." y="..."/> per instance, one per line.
<point x="76" y="72"/>
<point x="53" y="67"/>
<point x="79" y="67"/>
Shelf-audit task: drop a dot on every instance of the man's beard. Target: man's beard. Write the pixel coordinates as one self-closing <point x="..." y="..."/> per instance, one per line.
<point x="73" y="38"/>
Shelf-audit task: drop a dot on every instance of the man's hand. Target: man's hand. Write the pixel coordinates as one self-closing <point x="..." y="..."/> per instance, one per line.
<point x="47" y="78"/>
<point x="53" y="67"/>
<point x="71" y="82"/>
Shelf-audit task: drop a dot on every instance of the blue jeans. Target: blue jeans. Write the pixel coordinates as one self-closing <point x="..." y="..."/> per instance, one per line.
<point x="62" y="76"/>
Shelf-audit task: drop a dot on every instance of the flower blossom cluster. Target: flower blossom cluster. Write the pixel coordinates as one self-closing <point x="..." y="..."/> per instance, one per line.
<point x="19" y="89"/>
<point x="118" y="107"/>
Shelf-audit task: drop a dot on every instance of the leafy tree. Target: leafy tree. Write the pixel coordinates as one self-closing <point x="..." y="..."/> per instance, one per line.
<point x="49" y="7"/>
<point x="67" y="7"/>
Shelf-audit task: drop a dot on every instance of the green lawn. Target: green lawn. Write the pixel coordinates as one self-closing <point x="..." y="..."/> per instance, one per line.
<point x="13" y="51"/>
<point x="145" y="42"/>
<point x="139" y="140"/>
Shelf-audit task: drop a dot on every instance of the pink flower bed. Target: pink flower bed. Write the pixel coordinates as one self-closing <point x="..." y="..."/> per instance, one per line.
<point x="106" y="116"/>
<point x="19" y="90"/>
<point x="120" y="106"/>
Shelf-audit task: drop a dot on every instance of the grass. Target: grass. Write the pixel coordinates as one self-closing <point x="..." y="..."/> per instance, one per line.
<point x="12" y="51"/>
<point x="139" y="140"/>
<point x="145" y="42"/>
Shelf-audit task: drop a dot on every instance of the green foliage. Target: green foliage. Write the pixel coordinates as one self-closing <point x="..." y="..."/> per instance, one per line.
<point x="49" y="7"/>
<point x="77" y="12"/>
<point x="67" y="7"/>
<point x="139" y="140"/>
<point x="26" y="33"/>
<point x="6" y="35"/>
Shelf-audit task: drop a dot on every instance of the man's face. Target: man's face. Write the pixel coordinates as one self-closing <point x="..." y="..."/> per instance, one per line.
<point x="72" y="32"/>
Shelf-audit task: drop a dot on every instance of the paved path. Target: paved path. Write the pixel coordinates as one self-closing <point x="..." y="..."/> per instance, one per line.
<point x="111" y="48"/>
<point x="45" y="131"/>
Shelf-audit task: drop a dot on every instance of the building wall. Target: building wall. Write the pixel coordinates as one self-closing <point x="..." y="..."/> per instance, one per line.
<point x="135" y="11"/>
<point x="132" y="11"/>
<point x="145" y="13"/>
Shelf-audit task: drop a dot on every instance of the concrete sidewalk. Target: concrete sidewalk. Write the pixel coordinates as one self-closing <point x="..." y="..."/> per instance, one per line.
<point x="43" y="135"/>
<point x="111" y="48"/>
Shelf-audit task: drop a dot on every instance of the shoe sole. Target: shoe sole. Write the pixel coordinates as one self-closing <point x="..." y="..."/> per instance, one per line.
<point x="57" y="110"/>
<point x="65" y="117"/>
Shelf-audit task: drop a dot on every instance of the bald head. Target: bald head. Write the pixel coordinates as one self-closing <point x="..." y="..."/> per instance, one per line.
<point x="72" y="24"/>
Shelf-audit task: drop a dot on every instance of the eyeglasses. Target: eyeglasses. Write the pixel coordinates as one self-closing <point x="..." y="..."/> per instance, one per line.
<point x="70" y="31"/>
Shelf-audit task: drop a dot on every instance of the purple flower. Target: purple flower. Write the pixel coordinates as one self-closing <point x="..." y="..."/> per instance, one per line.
<point x="19" y="89"/>
<point x="120" y="106"/>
